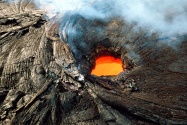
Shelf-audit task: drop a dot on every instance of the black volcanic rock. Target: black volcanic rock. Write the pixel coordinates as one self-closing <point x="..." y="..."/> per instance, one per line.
<point x="45" y="71"/>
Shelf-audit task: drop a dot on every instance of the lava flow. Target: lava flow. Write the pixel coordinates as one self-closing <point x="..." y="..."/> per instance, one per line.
<point x="107" y="66"/>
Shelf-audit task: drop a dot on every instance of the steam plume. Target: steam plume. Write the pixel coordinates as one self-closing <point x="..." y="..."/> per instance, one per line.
<point x="165" y="17"/>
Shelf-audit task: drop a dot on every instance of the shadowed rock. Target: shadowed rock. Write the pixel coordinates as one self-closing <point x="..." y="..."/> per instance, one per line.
<point x="45" y="72"/>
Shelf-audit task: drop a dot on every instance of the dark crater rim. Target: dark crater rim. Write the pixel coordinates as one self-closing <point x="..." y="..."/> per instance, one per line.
<point x="105" y="47"/>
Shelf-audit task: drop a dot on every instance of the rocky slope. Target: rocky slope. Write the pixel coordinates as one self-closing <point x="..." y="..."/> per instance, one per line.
<point x="45" y="75"/>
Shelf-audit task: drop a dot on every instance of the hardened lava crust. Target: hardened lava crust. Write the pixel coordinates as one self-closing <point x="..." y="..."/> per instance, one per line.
<point x="45" y="67"/>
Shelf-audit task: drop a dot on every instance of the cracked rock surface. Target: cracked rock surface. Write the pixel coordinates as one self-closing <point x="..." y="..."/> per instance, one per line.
<point x="46" y="80"/>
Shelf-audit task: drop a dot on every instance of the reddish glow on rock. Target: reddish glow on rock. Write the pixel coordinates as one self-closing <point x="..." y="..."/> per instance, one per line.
<point x="107" y="66"/>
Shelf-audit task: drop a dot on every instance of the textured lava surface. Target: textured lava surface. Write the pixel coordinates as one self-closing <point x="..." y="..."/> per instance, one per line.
<point x="45" y="72"/>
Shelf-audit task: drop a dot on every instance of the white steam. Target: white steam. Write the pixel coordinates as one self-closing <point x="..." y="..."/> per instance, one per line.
<point x="86" y="8"/>
<point x="168" y="17"/>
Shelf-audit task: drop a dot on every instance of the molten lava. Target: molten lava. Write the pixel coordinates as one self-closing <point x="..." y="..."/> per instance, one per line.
<point x="107" y="66"/>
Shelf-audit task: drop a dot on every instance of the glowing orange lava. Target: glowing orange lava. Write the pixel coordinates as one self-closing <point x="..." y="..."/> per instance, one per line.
<point x="107" y="66"/>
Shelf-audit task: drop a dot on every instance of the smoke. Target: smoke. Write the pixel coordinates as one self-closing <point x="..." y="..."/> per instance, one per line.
<point x="162" y="16"/>
<point x="89" y="9"/>
<point x="166" y="17"/>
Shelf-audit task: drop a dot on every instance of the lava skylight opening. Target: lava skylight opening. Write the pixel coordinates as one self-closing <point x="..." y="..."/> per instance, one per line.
<point x="107" y="66"/>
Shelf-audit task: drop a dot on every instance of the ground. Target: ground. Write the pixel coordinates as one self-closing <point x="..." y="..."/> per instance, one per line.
<point x="46" y="79"/>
